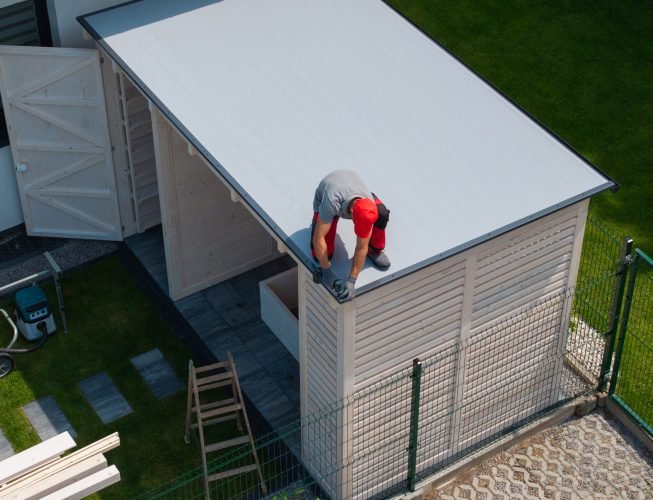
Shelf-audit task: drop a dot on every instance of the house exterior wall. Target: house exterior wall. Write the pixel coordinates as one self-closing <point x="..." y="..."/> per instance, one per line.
<point x="208" y="237"/>
<point x="66" y="31"/>
<point x="453" y="310"/>
<point x="11" y="213"/>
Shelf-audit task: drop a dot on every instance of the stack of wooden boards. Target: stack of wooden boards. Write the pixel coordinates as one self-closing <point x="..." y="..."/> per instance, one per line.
<point x="44" y="472"/>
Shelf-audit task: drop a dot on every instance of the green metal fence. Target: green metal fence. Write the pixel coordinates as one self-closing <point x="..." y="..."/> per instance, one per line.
<point x="632" y="371"/>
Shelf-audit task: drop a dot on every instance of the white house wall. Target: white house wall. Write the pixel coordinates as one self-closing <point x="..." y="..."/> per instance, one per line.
<point x="208" y="238"/>
<point x="11" y="214"/>
<point x="66" y="31"/>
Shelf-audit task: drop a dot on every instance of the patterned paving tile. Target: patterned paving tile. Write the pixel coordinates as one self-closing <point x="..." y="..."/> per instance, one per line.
<point x="589" y="457"/>
<point x="47" y="418"/>
<point x="105" y="398"/>
<point x="6" y="450"/>
<point x="159" y="376"/>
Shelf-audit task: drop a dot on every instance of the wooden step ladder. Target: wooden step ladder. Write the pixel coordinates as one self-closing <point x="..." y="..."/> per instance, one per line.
<point x="209" y="381"/>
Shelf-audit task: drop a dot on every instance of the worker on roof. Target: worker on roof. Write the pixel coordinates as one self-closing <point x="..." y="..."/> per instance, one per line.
<point x="342" y="193"/>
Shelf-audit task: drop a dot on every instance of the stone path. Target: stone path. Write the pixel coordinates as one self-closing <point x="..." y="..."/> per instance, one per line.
<point x="6" y="449"/>
<point x="47" y="418"/>
<point x="105" y="398"/>
<point x="589" y="457"/>
<point x="157" y="373"/>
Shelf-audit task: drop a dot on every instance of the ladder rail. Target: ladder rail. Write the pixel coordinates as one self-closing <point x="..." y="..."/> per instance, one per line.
<point x="224" y="409"/>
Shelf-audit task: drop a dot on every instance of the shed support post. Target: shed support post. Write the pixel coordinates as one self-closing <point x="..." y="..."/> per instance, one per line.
<point x="414" y="423"/>
<point x="625" y="259"/>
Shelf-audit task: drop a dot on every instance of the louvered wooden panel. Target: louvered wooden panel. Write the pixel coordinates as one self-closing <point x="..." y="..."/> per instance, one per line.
<point x="531" y="266"/>
<point x="410" y="318"/>
<point x="320" y="443"/>
<point x="511" y="372"/>
<point x="18" y="25"/>
<point x="437" y="406"/>
<point x="381" y="425"/>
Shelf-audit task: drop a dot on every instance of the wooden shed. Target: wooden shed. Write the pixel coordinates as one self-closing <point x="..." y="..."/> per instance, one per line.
<point x="225" y="115"/>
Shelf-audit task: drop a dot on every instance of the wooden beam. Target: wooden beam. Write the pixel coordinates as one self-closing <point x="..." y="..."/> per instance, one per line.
<point x="54" y="466"/>
<point x="55" y="482"/>
<point x="90" y="484"/>
<point x="34" y="457"/>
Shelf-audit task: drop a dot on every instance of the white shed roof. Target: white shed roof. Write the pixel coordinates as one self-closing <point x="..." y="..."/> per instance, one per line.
<point x="277" y="93"/>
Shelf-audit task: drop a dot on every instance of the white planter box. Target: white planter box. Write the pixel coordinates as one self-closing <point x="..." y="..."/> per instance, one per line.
<point x="279" y="308"/>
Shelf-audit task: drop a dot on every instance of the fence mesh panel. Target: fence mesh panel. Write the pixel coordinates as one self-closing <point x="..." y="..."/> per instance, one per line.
<point x="633" y="385"/>
<point x="359" y="447"/>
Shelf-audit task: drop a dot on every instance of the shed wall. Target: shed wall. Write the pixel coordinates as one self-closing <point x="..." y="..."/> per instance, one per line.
<point x="487" y="376"/>
<point x="208" y="237"/>
<point x="320" y="381"/>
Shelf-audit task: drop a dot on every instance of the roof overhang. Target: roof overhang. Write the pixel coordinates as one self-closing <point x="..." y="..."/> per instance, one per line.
<point x="274" y="94"/>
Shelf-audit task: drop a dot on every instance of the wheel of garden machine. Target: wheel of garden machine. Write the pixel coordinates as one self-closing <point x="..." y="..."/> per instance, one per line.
<point x="6" y="364"/>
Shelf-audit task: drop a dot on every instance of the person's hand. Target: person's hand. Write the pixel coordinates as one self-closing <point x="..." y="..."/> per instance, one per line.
<point x="328" y="277"/>
<point x="346" y="289"/>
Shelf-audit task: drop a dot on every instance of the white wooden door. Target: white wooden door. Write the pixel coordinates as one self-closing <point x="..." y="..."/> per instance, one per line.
<point x="56" y="116"/>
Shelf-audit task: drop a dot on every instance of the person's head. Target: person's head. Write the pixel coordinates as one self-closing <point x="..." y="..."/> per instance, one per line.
<point x="364" y="214"/>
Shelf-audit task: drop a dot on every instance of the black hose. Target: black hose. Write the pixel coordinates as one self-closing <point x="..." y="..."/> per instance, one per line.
<point x="44" y="330"/>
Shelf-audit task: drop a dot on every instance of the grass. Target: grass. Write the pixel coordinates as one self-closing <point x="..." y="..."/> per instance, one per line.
<point x="110" y="320"/>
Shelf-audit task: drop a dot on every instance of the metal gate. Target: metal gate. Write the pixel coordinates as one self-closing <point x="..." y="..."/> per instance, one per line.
<point x="632" y="371"/>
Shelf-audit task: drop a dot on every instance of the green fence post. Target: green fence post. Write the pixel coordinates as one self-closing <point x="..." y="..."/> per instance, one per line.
<point x="414" y="423"/>
<point x="624" y="324"/>
<point x="625" y="258"/>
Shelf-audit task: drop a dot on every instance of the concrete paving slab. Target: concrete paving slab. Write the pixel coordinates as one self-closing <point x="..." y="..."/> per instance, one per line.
<point x="105" y="398"/>
<point x="47" y="418"/>
<point x="6" y="450"/>
<point x="589" y="457"/>
<point x="159" y="376"/>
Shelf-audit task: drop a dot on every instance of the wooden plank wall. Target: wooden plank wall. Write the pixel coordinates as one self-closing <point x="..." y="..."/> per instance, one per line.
<point x="208" y="238"/>
<point x="319" y="370"/>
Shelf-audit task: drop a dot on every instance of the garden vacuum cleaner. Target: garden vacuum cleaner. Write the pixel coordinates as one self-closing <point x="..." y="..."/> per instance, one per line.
<point x="33" y="317"/>
<point x="34" y="321"/>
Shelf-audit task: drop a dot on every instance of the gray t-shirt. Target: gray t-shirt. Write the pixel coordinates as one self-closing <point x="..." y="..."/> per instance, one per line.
<point x="336" y="191"/>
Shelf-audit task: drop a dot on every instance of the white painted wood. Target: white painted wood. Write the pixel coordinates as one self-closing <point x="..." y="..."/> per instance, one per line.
<point x="279" y="297"/>
<point x="402" y="321"/>
<point x="571" y="285"/>
<point x="55" y="466"/>
<point x="463" y="342"/>
<point x="345" y="382"/>
<point x="86" y="486"/>
<point x="25" y="461"/>
<point x="54" y="98"/>
<point x="57" y="480"/>
<point x="208" y="238"/>
<point x="320" y="378"/>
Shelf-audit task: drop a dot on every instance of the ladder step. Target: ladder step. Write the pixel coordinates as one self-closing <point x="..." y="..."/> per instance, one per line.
<point x="206" y="423"/>
<point x="207" y="368"/>
<point x="214" y="378"/>
<point x="232" y="472"/>
<point x="220" y="411"/>
<point x="208" y="387"/>
<point x="216" y="404"/>
<point x="226" y="444"/>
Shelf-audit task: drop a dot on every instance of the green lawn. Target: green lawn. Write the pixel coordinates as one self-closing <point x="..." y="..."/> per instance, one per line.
<point x="110" y="321"/>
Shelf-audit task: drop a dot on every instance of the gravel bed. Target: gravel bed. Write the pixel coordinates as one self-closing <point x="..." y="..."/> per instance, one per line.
<point x="69" y="255"/>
